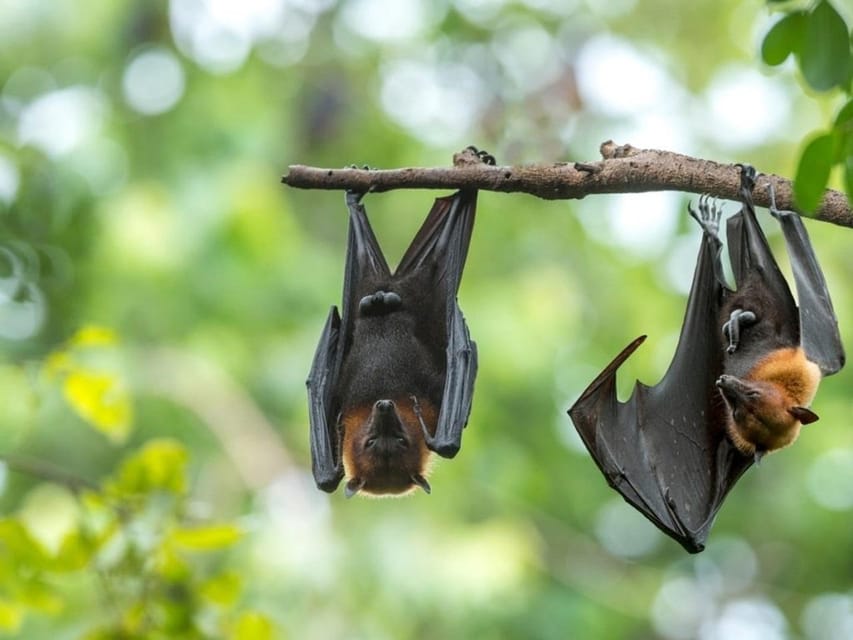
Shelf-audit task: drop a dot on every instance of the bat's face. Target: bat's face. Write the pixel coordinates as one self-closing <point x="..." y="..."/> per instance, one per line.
<point x="762" y="415"/>
<point x="384" y="451"/>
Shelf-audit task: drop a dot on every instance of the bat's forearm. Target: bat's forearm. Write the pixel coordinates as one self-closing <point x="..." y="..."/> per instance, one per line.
<point x="622" y="169"/>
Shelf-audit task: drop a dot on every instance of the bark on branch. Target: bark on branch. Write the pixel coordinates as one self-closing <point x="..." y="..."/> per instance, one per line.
<point x="622" y="169"/>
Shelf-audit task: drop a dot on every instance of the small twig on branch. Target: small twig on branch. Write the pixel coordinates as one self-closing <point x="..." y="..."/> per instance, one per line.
<point x="46" y="471"/>
<point x="623" y="169"/>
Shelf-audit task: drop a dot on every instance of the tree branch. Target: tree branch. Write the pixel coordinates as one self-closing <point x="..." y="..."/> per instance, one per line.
<point x="623" y="169"/>
<point x="46" y="471"/>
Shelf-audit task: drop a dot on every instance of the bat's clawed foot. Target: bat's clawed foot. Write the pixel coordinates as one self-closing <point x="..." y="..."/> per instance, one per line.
<point x="748" y="175"/>
<point x="738" y="319"/>
<point x="471" y="155"/>
<point x="379" y="303"/>
<point x="354" y="196"/>
<point x="708" y="215"/>
<point x="483" y="155"/>
<point x="774" y="210"/>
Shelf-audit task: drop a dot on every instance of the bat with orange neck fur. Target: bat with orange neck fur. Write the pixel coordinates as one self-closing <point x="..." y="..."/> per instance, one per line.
<point x="747" y="365"/>
<point x="393" y="376"/>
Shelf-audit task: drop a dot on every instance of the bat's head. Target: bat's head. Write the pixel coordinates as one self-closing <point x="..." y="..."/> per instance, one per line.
<point x="762" y="414"/>
<point x="384" y="451"/>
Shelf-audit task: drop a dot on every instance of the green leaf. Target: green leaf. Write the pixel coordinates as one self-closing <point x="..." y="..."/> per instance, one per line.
<point x="102" y="400"/>
<point x="848" y="165"/>
<point x="253" y="626"/>
<point x="223" y="589"/>
<point x="207" y="538"/>
<point x="159" y="465"/>
<point x="844" y="119"/>
<point x="11" y="616"/>
<point x="825" y="51"/>
<point x="41" y="597"/>
<point x="20" y="546"/>
<point x="784" y="38"/>
<point x="813" y="171"/>
<point x="74" y="553"/>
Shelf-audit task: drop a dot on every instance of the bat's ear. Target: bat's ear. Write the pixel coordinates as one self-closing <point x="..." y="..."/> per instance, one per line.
<point x="354" y="485"/>
<point x="419" y="480"/>
<point x="805" y="416"/>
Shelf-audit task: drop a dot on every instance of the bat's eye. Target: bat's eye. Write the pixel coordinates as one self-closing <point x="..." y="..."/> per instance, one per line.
<point x="753" y="394"/>
<point x="369" y="443"/>
<point x="401" y="440"/>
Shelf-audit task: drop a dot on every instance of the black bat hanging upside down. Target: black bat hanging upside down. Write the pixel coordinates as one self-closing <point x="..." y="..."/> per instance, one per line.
<point x="393" y="375"/>
<point x="747" y="365"/>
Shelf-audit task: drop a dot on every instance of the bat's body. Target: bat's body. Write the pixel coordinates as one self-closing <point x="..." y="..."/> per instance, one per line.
<point x="747" y="364"/>
<point x="393" y="376"/>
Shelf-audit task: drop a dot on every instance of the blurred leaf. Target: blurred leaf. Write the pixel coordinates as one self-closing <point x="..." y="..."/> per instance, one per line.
<point x="784" y="38"/>
<point x="253" y="626"/>
<point x="93" y="336"/>
<point x="223" y="589"/>
<point x="11" y="616"/>
<point x="21" y="547"/>
<point x="848" y="166"/>
<point x="170" y="564"/>
<point x="41" y="597"/>
<point x="101" y="400"/>
<point x="159" y="465"/>
<point x="206" y="538"/>
<point x="844" y="119"/>
<point x="825" y="51"/>
<point x="74" y="553"/>
<point x="813" y="171"/>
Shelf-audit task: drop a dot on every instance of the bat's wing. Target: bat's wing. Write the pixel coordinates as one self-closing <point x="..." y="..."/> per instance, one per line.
<point x="437" y="257"/>
<point x="819" y="335"/>
<point x="325" y="463"/>
<point x="751" y="258"/>
<point x="365" y="266"/>
<point x="665" y="449"/>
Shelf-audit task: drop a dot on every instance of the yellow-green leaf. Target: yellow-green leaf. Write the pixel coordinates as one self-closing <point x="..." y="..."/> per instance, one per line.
<point x="19" y="545"/>
<point x="74" y="553"/>
<point x="207" y="538"/>
<point x="223" y="589"/>
<point x="40" y="597"/>
<point x="101" y="400"/>
<point x="159" y="465"/>
<point x="252" y="625"/>
<point x="93" y="336"/>
<point x="11" y="616"/>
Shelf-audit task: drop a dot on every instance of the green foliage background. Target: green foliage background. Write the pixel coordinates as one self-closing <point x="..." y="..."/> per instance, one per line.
<point x="161" y="294"/>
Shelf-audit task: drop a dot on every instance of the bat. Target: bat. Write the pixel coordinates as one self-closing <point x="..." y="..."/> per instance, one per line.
<point x="393" y="375"/>
<point x="747" y="365"/>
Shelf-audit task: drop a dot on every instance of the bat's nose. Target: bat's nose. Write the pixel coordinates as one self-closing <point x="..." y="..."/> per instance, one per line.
<point x="384" y="406"/>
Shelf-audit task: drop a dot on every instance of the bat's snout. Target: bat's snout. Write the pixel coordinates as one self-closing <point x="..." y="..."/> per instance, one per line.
<point x="384" y="406"/>
<point x="735" y="390"/>
<point x="387" y="434"/>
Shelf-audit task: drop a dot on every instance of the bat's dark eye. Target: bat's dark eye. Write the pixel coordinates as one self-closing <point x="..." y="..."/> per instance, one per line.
<point x="753" y="394"/>
<point x="401" y="440"/>
<point x="369" y="443"/>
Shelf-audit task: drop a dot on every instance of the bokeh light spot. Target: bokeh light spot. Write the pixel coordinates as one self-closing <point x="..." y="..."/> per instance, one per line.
<point x="828" y="616"/>
<point x="59" y="121"/>
<point x="624" y="532"/>
<point x="10" y="178"/>
<point x="831" y="480"/>
<point x="153" y="81"/>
